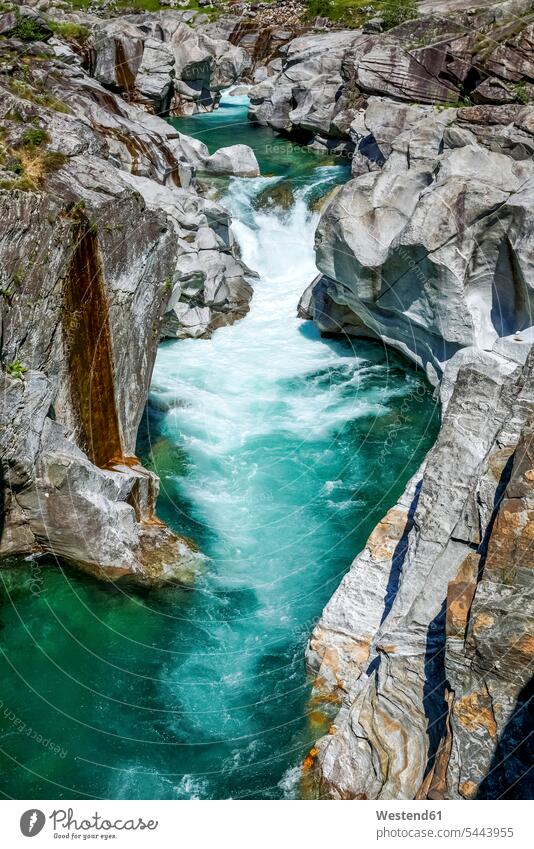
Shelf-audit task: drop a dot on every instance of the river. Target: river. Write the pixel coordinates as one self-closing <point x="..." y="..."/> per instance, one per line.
<point x="269" y="442"/>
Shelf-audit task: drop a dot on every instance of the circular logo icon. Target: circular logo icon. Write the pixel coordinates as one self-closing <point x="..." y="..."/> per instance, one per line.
<point x="32" y="822"/>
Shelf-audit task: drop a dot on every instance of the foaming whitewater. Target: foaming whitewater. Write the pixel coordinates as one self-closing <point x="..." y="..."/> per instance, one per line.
<point x="276" y="424"/>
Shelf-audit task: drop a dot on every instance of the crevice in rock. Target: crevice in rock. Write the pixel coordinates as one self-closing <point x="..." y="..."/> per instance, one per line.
<point x="397" y="561"/>
<point x="509" y="308"/>
<point x="436" y="686"/>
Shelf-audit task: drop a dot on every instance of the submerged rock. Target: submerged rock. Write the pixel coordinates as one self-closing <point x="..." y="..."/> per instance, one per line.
<point x="280" y="195"/>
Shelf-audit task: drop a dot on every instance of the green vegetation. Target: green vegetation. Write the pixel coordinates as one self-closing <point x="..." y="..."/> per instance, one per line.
<point x="14" y="115"/>
<point x="395" y="12"/>
<point x="53" y="160"/>
<point x="34" y="137"/>
<point x="79" y="4"/>
<point x="347" y="13"/>
<point x="142" y="5"/>
<point x="69" y="30"/>
<point x="29" y="30"/>
<point x="16" y="369"/>
<point x="521" y="93"/>
<point x="29" y="163"/>
<point x="354" y="13"/>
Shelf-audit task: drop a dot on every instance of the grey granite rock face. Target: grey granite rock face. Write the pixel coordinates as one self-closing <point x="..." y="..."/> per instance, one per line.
<point x="162" y="63"/>
<point x="305" y="95"/>
<point x="383" y="658"/>
<point x="422" y="658"/>
<point x="437" y="59"/>
<point x="105" y="247"/>
<point x="430" y="253"/>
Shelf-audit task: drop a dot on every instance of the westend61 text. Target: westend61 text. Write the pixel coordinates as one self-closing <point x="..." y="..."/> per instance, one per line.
<point x="408" y="815"/>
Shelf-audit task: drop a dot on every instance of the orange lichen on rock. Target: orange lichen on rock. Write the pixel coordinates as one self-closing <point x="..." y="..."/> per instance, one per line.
<point x="482" y="622"/>
<point x="475" y="711"/>
<point x="385" y="537"/>
<point x="468" y="789"/>
<point x="460" y="595"/>
<point x="309" y="760"/>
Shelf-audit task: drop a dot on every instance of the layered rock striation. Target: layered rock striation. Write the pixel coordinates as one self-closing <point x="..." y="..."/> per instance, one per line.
<point x="422" y="659"/>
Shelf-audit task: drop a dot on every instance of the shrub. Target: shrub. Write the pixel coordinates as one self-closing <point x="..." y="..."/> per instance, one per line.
<point x="28" y="29"/>
<point x="69" y="30"/>
<point x="521" y="93"/>
<point x="53" y="160"/>
<point x="348" y="13"/>
<point x="23" y="184"/>
<point x="16" y="369"/>
<point x="395" y="12"/>
<point x="14" y="165"/>
<point x="34" y="137"/>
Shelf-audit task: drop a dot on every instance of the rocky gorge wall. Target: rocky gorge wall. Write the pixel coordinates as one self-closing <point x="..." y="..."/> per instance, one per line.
<point x="422" y="659"/>
<point x="106" y="246"/>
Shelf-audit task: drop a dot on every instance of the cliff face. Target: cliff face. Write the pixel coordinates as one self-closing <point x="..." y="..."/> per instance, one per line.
<point x="490" y="635"/>
<point x="321" y="86"/>
<point x="103" y="236"/>
<point x="421" y="660"/>
<point x="400" y="642"/>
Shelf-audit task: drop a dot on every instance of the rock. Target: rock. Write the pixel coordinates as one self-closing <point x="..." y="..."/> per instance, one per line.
<point x="373" y="25"/>
<point x="387" y="68"/>
<point x="279" y="195"/>
<point x="435" y="59"/>
<point x="117" y="48"/>
<point x="383" y="638"/>
<point x="8" y="22"/>
<point x="154" y="78"/>
<point x="112" y="203"/>
<point x="238" y="160"/>
<point x="489" y="646"/>
<point x="428" y="281"/>
<point x="161" y="61"/>
<point x="302" y="97"/>
<point x="421" y="657"/>
<point x="493" y="90"/>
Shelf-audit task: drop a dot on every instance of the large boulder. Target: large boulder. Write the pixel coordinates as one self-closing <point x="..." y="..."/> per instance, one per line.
<point x="431" y="259"/>
<point x="238" y="159"/>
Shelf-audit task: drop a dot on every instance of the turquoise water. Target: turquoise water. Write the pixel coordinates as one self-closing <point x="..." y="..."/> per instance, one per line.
<point x="269" y="443"/>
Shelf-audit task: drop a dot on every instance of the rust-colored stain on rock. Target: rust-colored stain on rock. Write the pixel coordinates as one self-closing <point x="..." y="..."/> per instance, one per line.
<point x="89" y="352"/>
<point x="475" y="711"/>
